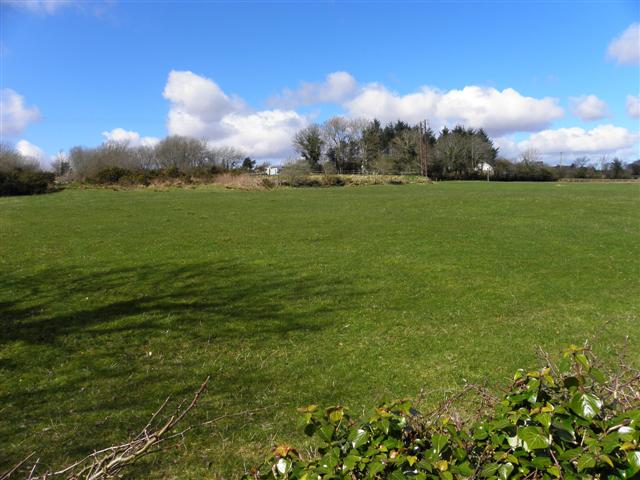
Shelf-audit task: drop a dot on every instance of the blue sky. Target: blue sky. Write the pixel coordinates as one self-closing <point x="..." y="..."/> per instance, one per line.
<point x="554" y="76"/>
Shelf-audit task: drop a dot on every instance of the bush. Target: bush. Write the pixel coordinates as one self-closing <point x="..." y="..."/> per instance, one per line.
<point x="567" y="420"/>
<point x="295" y="174"/>
<point x="333" y="180"/>
<point x="267" y="183"/>
<point x="111" y="175"/>
<point x="25" y="182"/>
<point x="137" y="178"/>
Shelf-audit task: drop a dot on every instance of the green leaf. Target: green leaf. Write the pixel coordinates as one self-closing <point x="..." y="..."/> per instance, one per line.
<point x="582" y="358"/>
<point x="336" y="415"/>
<point x="606" y="459"/>
<point x="533" y="438"/>
<point x="585" y="405"/>
<point x="633" y="458"/>
<point x="375" y="467"/>
<point x="358" y="437"/>
<point x="464" y="469"/>
<point x="505" y="470"/>
<point x="350" y="462"/>
<point x="626" y="434"/>
<point x="325" y="432"/>
<point x="541" y="462"/>
<point x="480" y="433"/>
<point x="439" y="441"/>
<point x="543" y="419"/>
<point x="564" y="365"/>
<point x="585" y="461"/>
<point x="396" y="475"/>
<point x="555" y="471"/>
<point x="489" y="470"/>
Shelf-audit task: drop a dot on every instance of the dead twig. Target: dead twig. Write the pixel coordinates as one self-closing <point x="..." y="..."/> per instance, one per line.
<point x="7" y="475"/>
<point x="109" y="462"/>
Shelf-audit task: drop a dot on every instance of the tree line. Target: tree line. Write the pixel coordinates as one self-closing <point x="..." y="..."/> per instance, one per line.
<point x="336" y="146"/>
<point x="172" y="154"/>
<point x="360" y="146"/>
<point x="340" y="145"/>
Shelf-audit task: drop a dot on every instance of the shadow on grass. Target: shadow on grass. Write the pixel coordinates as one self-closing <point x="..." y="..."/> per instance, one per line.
<point x="78" y="338"/>
<point x="228" y="299"/>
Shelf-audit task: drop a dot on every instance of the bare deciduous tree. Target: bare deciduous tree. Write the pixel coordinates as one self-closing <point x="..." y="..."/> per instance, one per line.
<point x="531" y="156"/>
<point x="11" y="159"/>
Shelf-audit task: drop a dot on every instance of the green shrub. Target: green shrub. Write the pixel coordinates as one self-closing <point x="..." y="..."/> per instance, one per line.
<point x="567" y="420"/>
<point x="25" y="182"/>
<point x="137" y="178"/>
<point x="111" y="175"/>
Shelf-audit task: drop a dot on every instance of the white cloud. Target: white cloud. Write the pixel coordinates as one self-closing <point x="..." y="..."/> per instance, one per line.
<point x="52" y="7"/>
<point x="625" y="48"/>
<point x="337" y="87"/>
<point x="262" y="134"/>
<point x="200" y="108"/>
<point x="15" y="115"/>
<point x="588" y="107"/>
<point x="508" y="147"/>
<point x="133" y="139"/>
<point x="41" y="6"/>
<point x="30" y="150"/>
<point x="598" y="140"/>
<point x="633" y="106"/>
<point x="499" y="112"/>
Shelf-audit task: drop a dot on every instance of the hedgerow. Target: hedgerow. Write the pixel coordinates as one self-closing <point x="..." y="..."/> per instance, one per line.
<point x="25" y="182"/>
<point x="568" y="420"/>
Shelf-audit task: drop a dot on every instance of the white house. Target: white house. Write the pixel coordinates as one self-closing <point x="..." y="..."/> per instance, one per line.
<point x="272" y="171"/>
<point x="485" y="168"/>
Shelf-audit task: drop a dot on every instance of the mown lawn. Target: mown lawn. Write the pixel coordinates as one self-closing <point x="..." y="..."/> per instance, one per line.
<point x="111" y="300"/>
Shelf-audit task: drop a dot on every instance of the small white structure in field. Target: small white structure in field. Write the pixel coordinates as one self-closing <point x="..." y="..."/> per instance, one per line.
<point x="485" y="168"/>
<point x="272" y="171"/>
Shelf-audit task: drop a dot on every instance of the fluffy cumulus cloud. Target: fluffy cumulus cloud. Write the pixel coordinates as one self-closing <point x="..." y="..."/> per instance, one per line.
<point x="337" y="87"/>
<point x="15" y="115"/>
<point x="133" y="139"/>
<point x="200" y="108"/>
<point x="499" y="112"/>
<point x="633" y="106"/>
<point x="508" y="147"/>
<point x="625" y="49"/>
<point x="600" y="139"/>
<point x="30" y="150"/>
<point x="588" y="107"/>
<point x="265" y="134"/>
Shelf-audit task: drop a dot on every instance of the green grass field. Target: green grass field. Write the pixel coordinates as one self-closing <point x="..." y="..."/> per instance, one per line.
<point x="111" y="300"/>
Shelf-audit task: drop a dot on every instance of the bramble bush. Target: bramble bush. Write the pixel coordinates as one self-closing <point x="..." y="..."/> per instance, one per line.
<point x="568" y="420"/>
